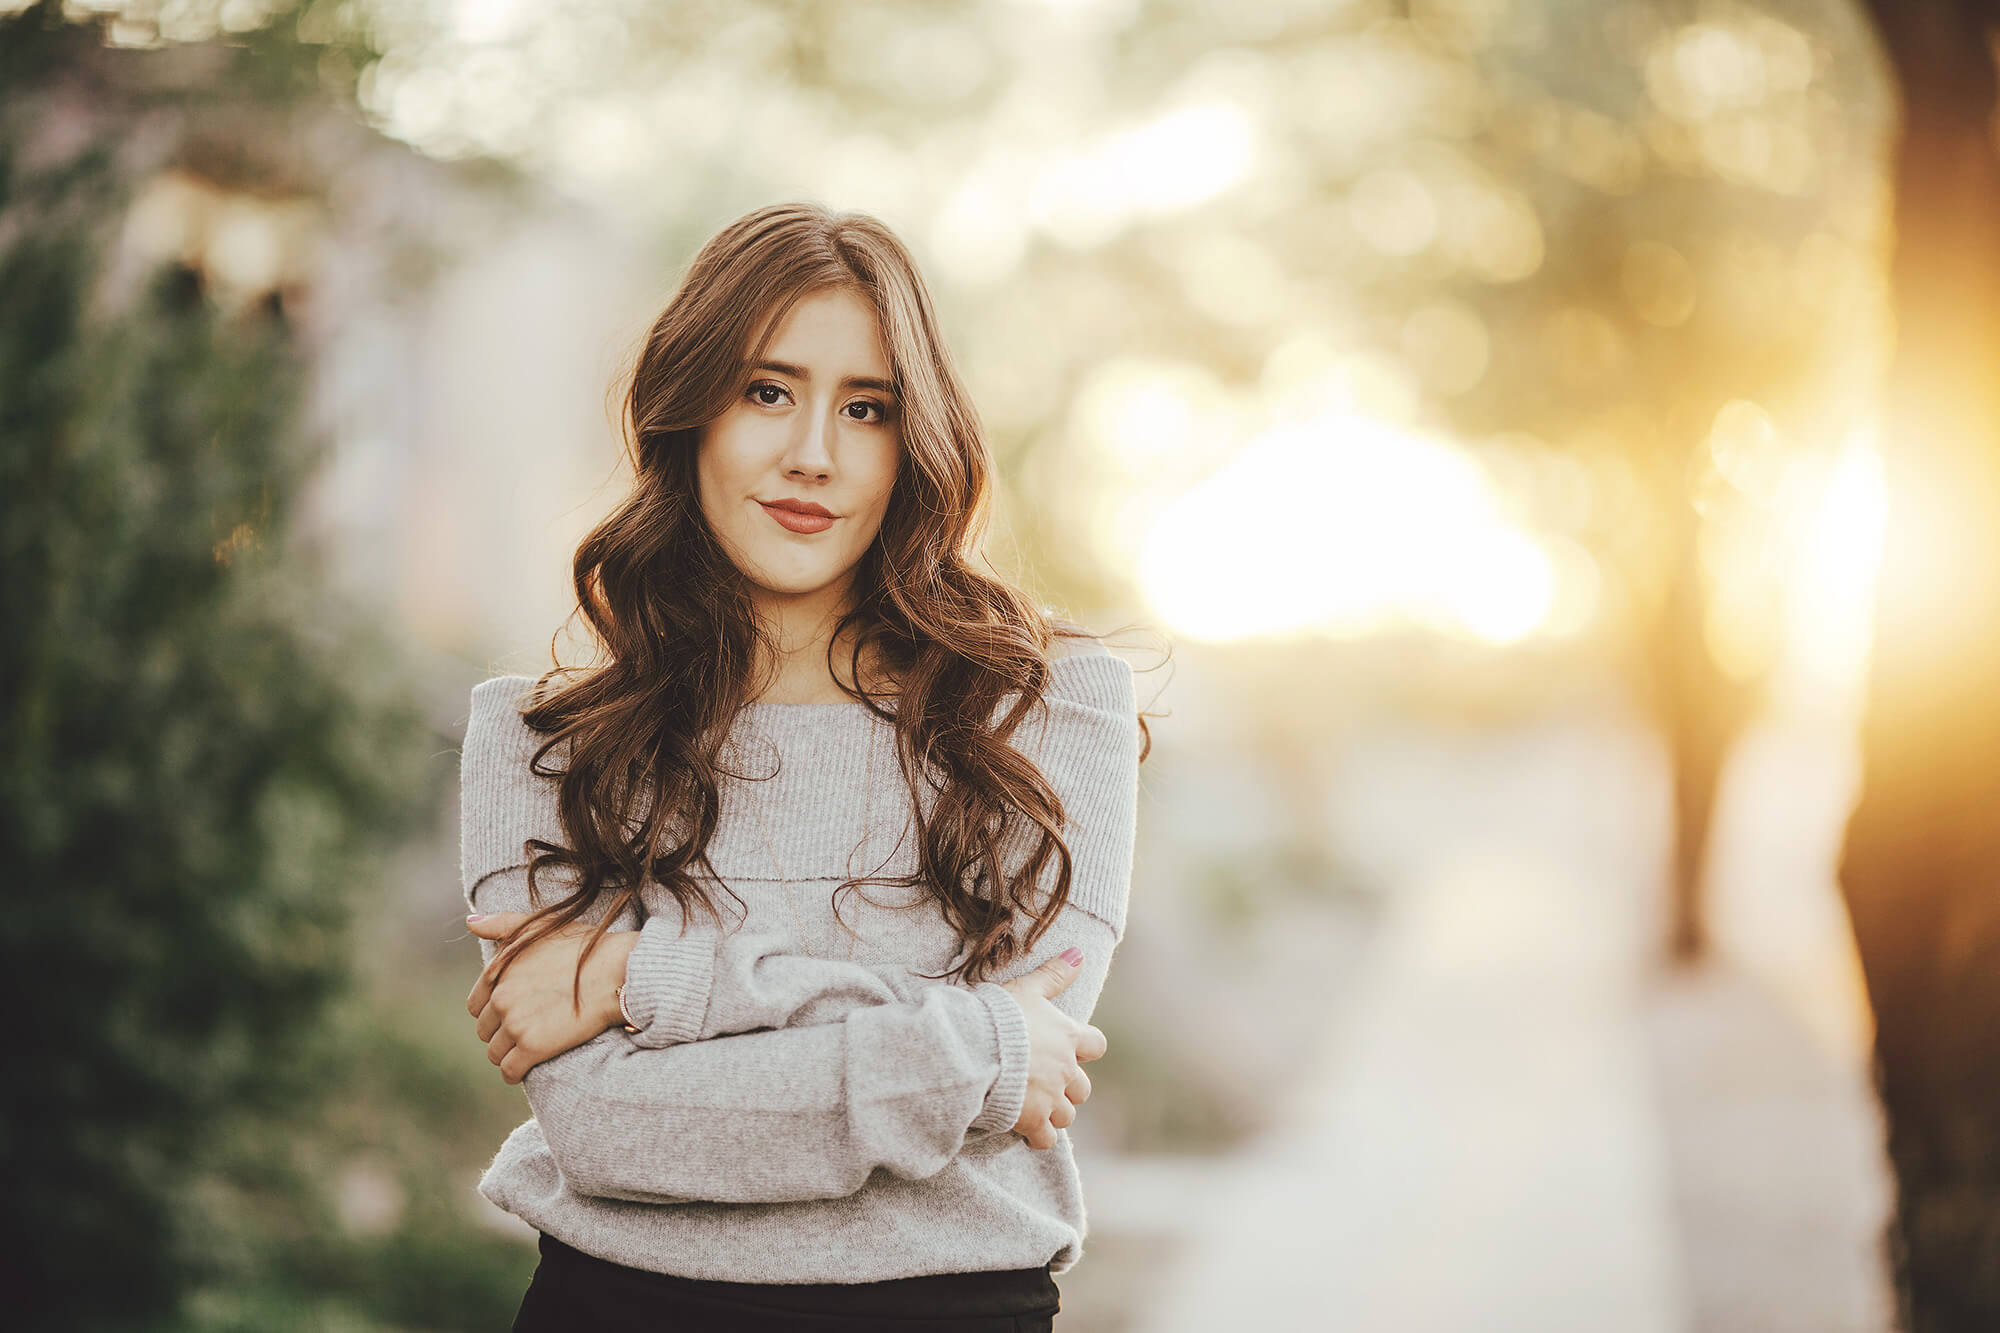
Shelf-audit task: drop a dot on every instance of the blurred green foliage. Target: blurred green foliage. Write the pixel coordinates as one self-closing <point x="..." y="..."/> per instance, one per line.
<point x="207" y="758"/>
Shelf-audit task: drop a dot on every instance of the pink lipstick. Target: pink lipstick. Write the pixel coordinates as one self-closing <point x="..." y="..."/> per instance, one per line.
<point x="797" y="520"/>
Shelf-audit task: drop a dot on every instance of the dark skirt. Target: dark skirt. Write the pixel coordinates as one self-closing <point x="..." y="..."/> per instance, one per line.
<point x="574" y="1292"/>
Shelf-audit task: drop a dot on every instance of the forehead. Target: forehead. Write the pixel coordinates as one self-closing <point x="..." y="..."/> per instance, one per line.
<point x="835" y="330"/>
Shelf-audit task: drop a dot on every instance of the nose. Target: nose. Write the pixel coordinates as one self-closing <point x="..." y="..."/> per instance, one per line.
<point x="807" y="453"/>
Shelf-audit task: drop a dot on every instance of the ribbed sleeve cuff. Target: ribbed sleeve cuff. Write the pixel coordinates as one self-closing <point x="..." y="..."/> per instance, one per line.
<point x="668" y="979"/>
<point x="1010" y="1091"/>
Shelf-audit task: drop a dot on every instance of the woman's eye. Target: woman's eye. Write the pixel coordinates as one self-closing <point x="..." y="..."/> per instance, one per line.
<point x="763" y="387"/>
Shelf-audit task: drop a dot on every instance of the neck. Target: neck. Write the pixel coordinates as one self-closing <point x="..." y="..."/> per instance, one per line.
<point x="802" y="626"/>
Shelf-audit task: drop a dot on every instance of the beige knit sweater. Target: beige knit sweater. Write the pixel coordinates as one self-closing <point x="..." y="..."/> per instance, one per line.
<point x="798" y="1105"/>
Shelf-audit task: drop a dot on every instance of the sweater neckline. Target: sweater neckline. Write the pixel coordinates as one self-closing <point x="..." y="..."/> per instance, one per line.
<point x="853" y="705"/>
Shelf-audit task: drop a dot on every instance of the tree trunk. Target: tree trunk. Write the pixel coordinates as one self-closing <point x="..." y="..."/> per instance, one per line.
<point x="1921" y="868"/>
<point x="1700" y="710"/>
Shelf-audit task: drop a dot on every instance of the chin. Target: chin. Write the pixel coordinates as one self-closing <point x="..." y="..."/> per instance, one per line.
<point x="798" y="585"/>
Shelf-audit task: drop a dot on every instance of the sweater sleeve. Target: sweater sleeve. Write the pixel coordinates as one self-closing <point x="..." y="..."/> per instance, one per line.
<point x="700" y="983"/>
<point x="794" y="1113"/>
<point x="864" y="1066"/>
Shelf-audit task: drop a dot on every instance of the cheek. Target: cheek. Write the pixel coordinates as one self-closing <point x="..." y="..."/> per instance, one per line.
<point x="720" y="475"/>
<point x="713" y="511"/>
<point x="878" y="506"/>
<point x="886" y="468"/>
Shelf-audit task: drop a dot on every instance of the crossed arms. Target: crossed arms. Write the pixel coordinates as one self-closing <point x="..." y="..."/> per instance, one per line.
<point x="858" y="1067"/>
<point x="761" y="1076"/>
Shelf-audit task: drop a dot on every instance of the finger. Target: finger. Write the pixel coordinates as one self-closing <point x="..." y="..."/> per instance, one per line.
<point x="1064" y="1114"/>
<point x="1041" y="1136"/>
<point x="497" y="1048"/>
<point x="477" y="997"/>
<point x="1078" y="1087"/>
<point x="1054" y="976"/>
<point x="482" y="989"/>
<point x="1090" y="1043"/>
<point x="516" y="1066"/>
<point x="494" y="925"/>
<point x="489" y="1022"/>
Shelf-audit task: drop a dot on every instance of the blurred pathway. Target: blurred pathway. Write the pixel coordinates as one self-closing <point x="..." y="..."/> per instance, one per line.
<point x="1479" y="1146"/>
<point x="1780" y="1181"/>
<point x="1517" y="1123"/>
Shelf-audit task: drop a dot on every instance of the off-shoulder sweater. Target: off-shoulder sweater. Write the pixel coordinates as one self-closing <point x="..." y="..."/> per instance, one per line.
<point x="798" y="1105"/>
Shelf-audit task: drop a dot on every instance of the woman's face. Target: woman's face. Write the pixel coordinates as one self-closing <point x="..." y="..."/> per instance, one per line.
<point x="815" y="422"/>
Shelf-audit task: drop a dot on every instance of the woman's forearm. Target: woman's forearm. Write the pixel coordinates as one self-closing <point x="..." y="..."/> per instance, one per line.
<point x="791" y="1113"/>
<point x="795" y="1113"/>
<point x="700" y="984"/>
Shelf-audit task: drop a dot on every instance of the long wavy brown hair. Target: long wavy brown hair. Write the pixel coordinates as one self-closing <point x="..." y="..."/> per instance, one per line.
<point x="681" y="642"/>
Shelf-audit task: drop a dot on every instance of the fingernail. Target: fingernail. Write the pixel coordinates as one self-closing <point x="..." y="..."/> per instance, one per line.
<point x="476" y="916"/>
<point x="1073" y="956"/>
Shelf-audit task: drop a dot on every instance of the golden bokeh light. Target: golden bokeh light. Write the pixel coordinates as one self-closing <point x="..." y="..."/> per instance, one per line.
<point x="1393" y="210"/>
<point x="1581" y="346"/>
<point x="1748" y="450"/>
<point x="1233" y="280"/>
<point x="1834" y="564"/>
<point x="1658" y="282"/>
<point x="1344" y="526"/>
<point x="1446" y="342"/>
<point x="1494" y="232"/>
<point x="1705" y="69"/>
<point x="1160" y="423"/>
<point x="1161" y="166"/>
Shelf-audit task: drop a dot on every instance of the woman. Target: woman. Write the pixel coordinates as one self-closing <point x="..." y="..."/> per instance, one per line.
<point x="853" y="1111"/>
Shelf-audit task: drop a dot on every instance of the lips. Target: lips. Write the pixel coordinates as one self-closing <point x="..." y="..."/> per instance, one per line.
<point x="794" y="521"/>
<point x="800" y="506"/>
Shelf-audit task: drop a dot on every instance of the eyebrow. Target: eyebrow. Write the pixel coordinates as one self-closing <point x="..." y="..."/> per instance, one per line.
<point x="801" y="373"/>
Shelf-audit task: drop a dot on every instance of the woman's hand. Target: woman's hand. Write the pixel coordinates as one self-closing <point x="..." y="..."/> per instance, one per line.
<point x="528" y="1015"/>
<point x="1057" y="1084"/>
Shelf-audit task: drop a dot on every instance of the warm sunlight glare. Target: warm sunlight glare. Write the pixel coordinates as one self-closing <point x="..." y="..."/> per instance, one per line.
<point x="1171" y="163"/>
<point x="1833" y="566"/>
<point x="1345" y="525"/>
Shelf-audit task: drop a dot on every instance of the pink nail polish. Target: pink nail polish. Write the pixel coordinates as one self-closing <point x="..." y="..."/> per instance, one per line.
<point x="476" y="916"/>
<point x="1072" y="955"/>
